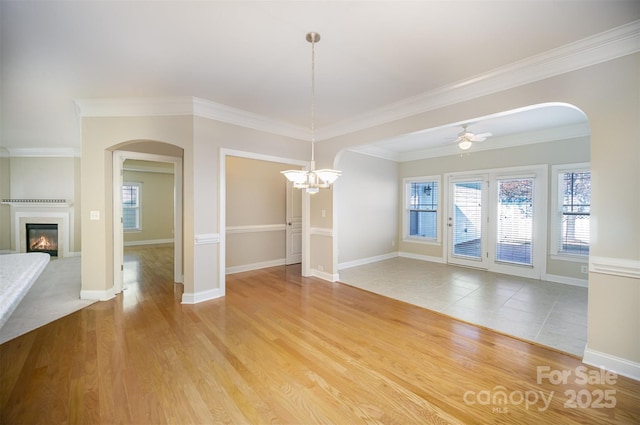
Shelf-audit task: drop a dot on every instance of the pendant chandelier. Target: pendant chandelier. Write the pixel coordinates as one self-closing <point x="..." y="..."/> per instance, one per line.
<point x="312" y="180"/>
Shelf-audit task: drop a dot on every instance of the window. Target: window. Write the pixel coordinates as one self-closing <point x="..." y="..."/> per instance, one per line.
<point x="572" y="211"/>
<point x="421" y="199"/>
<point x="515" y="221"/>
<point x="131" y="193"/>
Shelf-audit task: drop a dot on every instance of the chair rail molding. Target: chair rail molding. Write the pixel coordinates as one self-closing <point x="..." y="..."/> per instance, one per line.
<point x="615" y="266"/>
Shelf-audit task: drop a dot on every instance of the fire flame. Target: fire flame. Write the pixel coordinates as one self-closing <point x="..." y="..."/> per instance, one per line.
<point x="42" y="243"/>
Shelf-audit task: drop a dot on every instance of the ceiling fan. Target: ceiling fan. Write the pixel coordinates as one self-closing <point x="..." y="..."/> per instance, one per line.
<point x="466" y="138"/>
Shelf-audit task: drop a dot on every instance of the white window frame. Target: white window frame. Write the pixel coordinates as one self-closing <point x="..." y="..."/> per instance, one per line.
<point x="138" y="209"/>
<point x="556" y="211"/>
<point x="406" y="218"/>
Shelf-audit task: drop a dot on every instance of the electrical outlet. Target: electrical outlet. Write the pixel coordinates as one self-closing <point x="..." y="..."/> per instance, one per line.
<point x="393" y="242"/>
<point x="584" y="269"/>
<point x="320" y="268"/>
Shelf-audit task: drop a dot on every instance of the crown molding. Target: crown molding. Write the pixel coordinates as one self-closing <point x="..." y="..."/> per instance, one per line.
<point x="603" y="47"/>
<point x="606" y="46"/>
<point x="44" y="152"/>
<point x="533" y="137"/>
<point x="217" y="111"/>
<point x="186" y="106"/>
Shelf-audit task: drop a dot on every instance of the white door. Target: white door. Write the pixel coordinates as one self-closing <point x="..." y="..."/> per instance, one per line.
<point x="294" y="225"/>
<point x="467" y="222"/>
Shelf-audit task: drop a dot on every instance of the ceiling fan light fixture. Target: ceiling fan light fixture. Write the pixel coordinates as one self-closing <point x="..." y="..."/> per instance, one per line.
<point x="466" y="138"/>
<point x="464" y="145"/>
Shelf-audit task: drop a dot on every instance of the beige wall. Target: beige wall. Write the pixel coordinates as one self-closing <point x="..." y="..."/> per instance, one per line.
<point x="201" y="140"/>
<point x="5" y="210"/>
<point x="100" y="136"/>
<point x="156" y="207"/>
<point x="255" y="196"/>
<point x="38" y="177"/>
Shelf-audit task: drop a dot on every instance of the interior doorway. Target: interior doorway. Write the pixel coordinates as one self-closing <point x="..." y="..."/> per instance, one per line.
<point x="252" y="228"/>
<point x="175" y="163"/>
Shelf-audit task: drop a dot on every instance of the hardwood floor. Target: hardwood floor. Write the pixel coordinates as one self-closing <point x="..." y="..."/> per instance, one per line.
<point x="280" y="348"/>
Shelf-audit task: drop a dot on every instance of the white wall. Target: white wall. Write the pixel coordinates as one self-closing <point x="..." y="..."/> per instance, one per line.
<point x="366" y="207"/>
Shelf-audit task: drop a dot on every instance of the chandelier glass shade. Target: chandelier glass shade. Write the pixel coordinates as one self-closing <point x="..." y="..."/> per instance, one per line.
<point x="312" y="180"/>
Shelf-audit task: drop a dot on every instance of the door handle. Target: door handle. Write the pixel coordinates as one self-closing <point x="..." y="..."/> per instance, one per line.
<point x="289" y="223"/>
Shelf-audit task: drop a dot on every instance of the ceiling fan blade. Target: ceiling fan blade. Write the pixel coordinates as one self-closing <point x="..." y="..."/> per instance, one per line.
<point x="480" y="137"/>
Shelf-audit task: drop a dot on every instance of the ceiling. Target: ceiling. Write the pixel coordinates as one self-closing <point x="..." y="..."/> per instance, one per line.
<point x="253" y="56"/>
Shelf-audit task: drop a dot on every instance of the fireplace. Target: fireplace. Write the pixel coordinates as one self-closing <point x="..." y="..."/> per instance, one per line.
<point x="42" y="211"/>
<point x="42" y="237"/>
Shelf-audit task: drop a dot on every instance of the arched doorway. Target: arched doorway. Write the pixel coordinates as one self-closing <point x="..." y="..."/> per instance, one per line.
<point x="175" y="162"/>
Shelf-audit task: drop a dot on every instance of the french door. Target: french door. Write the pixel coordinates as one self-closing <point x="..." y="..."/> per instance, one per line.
<point x="497" y="221"/>
<point x="467" y="222"/>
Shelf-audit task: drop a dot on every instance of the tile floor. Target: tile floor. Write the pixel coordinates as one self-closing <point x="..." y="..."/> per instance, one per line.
<point x="551" y="314"/>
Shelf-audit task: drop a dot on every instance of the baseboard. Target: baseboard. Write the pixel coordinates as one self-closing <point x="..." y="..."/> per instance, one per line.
<point x="331" y="277"/>
<point x="149" y="242"/>
<point x="255" y="266"/>
<point x="369" y="260"/>
<point x="198" y="297"/>
<point x="97" y="295"/>
<point x="615" y="364"/>
<point x="566" y="280"/>
<point x="422" y="257"/>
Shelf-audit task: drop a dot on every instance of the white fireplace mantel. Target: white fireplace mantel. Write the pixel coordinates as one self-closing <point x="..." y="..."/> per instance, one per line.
<point x="38" y="203"/>
<point x="26" y="214"/>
